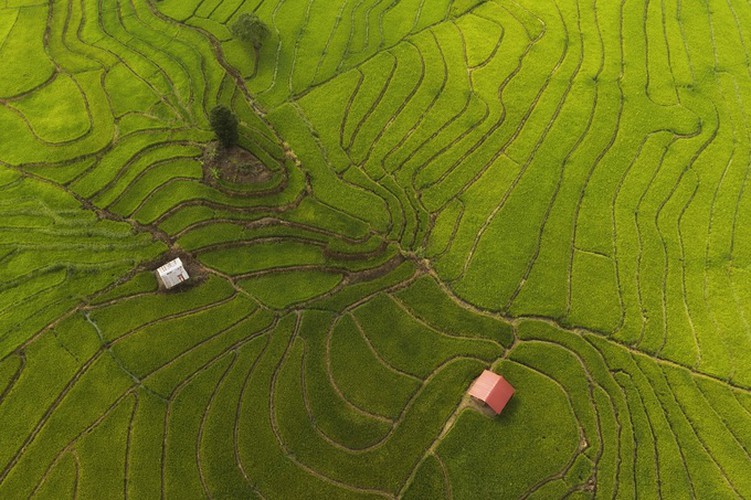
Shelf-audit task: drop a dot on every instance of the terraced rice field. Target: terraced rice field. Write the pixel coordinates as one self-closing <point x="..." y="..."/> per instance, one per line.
<point x="557" y="190"/>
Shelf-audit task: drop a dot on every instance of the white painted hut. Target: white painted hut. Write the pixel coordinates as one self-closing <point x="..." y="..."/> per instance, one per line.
<point x="172" y="273"/>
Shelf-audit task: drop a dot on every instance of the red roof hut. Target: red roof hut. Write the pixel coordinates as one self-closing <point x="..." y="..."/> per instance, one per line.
<point x="493" y="390"/>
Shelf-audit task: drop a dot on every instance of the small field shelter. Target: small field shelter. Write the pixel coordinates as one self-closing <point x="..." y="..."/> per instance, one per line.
<point x="172" y="273"/>
<point x="493" y="390"/>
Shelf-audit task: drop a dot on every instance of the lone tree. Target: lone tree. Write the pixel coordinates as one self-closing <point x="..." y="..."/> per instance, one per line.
<point x="224" y="123"/>
<point x="251" y="30"/>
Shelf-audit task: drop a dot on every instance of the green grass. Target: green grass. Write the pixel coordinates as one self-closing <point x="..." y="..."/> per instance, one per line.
<point x="428" y="482"/>
<point x="537" y="433"/>
<point x="555" y="191"/>
<point x="103" y="459"/>
<point x="362" y="376"/>
<point x="341" y="421"/>
<point x="285" y="288"/>
<point x="57" y="113"/>
<point x="410" y="346"/>
<point x="22" y="43"/>
<point x="431" y="305"/>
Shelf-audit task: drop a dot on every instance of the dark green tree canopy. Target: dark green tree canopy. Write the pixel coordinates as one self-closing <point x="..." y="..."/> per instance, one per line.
<point x="224" y="124"/>
<point x="250" y="29"/>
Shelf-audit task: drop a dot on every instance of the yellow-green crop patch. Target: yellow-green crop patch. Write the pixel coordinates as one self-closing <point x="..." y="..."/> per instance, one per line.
<point x="420" y="190"/>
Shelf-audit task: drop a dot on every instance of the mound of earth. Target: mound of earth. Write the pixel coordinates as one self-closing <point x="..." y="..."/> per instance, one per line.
<point x="235" y="165"/>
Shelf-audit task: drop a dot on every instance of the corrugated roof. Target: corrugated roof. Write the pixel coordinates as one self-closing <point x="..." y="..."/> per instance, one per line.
<point x="172" y="273"/>
<point x="493" y="390"/>
<point x="170" y="266"/>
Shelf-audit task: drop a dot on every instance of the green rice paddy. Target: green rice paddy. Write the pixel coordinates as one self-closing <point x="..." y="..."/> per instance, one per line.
<point x="557" y="190"/>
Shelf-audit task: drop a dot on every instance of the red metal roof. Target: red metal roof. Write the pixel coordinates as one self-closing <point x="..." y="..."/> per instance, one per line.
<point x="493" y="390"/>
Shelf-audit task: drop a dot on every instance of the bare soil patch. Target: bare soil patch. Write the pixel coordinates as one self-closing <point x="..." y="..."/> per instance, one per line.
<point x="235" y="165"/>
